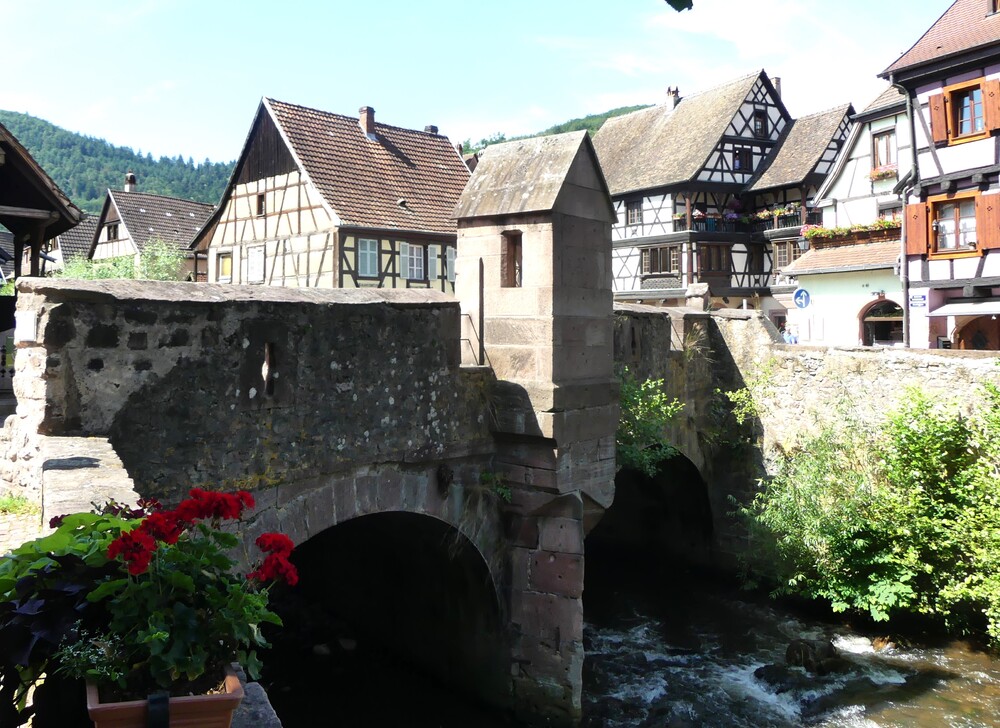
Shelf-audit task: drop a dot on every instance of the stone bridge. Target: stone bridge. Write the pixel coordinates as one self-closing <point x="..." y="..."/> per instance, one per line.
<point x="386" y="459"/>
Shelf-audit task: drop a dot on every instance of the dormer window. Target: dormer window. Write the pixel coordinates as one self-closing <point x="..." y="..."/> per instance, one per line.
<point x="760" y="123"/>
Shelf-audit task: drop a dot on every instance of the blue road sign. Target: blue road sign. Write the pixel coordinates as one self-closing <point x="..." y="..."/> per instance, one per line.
<point x="801" y="298"/>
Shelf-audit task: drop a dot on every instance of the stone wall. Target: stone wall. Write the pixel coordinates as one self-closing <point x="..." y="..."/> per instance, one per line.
<point x="252" y="387"/>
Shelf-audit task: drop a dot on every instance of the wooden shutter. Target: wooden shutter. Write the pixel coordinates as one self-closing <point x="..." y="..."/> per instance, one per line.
<point x="938" y="106"/>
<point x="916" y="229"/>
<point x="645" y="260"/>
<point x="991" y="104"/>
<point x="987" y="221"/>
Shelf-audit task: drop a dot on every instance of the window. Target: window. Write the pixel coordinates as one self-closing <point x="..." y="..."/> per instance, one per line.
<point x="412" y="261"/>
<point x="112" y="231"/>
<point x="511" y="260"/>
<point x="884" y="149"/>
<point x="261" y="205"/>
<point x="634" y="213"/>
<point x="742" y="159"/>
<point x="760" y="123"/>
<point x="954" y="224"/>
<point x="449" y="262"/>
<point x="255" y="264"/>
<point x="968" y="105"/>
<point x="224" y="267"/>
<point x="785" y="253"/>
<point x="665" y="259"/>
<point x="714" y="259"/>
<point x="965" y="111"/>
<point x="367" y="258"/>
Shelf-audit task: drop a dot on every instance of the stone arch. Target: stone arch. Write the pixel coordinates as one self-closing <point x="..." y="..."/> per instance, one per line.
<point x="981" y="333"/>
<point x="414" y="565"/>
<point x="880" y="323"/>
<point x="671" y="513"/>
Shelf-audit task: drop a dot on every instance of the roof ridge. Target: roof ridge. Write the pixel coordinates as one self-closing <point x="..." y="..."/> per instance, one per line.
<point x="351" y="118"/>
<point x="159" y="197"/>
<point x="824" y="112"/>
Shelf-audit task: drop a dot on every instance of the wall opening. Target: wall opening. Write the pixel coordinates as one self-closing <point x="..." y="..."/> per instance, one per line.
<point x="393" y="608"/>
<point x="882" y="324"/>
<point x="511" y="260"/>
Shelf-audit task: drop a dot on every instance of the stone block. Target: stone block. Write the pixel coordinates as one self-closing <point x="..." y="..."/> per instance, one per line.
<point x="561" y="534"/>
<point x="523" y="531"/>
<point x="556" y="573"/>
<point x="550" y="617"/>
<point x="345" y="499"/>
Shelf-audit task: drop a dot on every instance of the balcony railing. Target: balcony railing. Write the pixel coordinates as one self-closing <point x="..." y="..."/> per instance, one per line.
<point x="753" y="225"/>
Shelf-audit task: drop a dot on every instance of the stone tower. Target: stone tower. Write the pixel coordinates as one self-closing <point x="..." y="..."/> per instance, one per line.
<point x="534" y="281"/>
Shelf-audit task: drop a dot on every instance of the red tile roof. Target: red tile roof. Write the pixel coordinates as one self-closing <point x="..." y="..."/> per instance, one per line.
<point x="149" y="217"/>
<point x="845" y="258"/>
<point x="964" y="26"/>
<point x="402" y="179"/>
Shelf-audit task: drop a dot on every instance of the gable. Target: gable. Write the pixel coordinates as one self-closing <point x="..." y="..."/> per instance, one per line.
<point x="266" y="155"/>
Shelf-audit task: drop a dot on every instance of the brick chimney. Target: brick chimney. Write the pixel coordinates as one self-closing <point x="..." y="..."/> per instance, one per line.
<point x="129" y="181"/>
<point x="366" y="117"/>
<point x="777" y="85"/>
<point x="431" y="129"/>
<point x="673" y="96"/>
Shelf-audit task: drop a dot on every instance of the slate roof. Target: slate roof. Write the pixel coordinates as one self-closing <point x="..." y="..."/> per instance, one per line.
<point x="363" y="180"/>
<point x="526" y="175"/>
<point x="845" y="258"/>
<point x="77" y="240"/>
<point x="662" y="146"/>
<point x="800" y="147"/>
<point x="963" y="27"/>
<point x="890" y="97"/>
<point x="147" y="217"/>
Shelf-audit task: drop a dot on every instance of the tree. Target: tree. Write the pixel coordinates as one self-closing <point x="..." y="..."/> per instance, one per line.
<point x="679" y="5"/>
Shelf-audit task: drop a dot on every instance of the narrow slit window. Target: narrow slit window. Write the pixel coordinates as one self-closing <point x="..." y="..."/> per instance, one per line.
<point x="267" y="370"/>
<point x="261" y="205"/>
<point x="511" y="260"/>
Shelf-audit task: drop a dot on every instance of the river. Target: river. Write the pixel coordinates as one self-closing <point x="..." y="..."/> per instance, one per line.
<point x="666" y="649"/>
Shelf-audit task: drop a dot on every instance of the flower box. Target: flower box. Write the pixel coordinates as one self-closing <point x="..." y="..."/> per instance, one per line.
<point x="187" y="711"/>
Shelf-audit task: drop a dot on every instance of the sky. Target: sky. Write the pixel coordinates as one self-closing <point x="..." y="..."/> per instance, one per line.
<point x="185" y="77"/>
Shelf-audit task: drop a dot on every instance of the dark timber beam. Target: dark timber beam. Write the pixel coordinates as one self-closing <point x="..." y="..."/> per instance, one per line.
<point x="27" y="212"/>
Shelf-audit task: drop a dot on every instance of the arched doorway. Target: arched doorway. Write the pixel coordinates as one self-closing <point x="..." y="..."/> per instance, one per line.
<point x="882" y="324"/>
<point x="980" y="334"/>
<point x="392" y="611"/>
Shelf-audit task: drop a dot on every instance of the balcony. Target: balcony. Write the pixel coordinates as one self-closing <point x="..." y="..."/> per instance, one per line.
<point x="785" y="220"/>
<point x="711" y="225"/>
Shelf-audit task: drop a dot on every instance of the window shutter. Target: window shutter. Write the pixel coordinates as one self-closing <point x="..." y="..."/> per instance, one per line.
<point x="991" y="103"/>
<point x="939" y="119"/>
<point x="916" y="229"/>
<point x="988" y="221"/>
<point x="645" y="261"/>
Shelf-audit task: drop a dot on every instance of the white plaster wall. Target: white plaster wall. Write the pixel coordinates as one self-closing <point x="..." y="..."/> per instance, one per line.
<point x="836" y="301"/>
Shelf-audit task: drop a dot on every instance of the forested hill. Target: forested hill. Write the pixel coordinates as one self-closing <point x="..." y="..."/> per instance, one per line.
<point x="85" y="167"/>
<point x="591" y="123"/>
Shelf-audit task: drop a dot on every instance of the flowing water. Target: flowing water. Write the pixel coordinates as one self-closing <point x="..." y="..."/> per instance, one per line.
<point x="678" y="652"/>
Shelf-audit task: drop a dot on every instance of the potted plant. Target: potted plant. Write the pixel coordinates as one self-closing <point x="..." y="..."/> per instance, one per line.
<point x="165" y="607"/>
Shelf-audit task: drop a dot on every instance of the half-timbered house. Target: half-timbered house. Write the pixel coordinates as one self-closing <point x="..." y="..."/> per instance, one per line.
<point x="131" y="221"/>
<point x="323" y="200"/>
<point x="698" y="181"/>
<point x="951" y="279"/>
<point x="849" y="267"/>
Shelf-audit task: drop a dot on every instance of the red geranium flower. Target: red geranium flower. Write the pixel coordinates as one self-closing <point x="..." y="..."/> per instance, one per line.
<point x="276" y="566"/>
<point x="276" y="543"/>
<point x="163" y="526"/>
<point x="136" y="548"/>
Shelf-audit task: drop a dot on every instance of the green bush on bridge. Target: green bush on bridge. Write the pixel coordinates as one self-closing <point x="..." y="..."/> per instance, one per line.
<point x="646" y="412"/>
<point x="894" y="518"/>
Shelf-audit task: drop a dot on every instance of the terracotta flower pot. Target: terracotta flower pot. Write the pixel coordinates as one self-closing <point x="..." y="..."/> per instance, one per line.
<point x="191" y="711"/>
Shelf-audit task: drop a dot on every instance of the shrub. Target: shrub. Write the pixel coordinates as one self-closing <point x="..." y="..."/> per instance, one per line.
<point x="900" y="517"/>
<point x="646" y="413"/>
